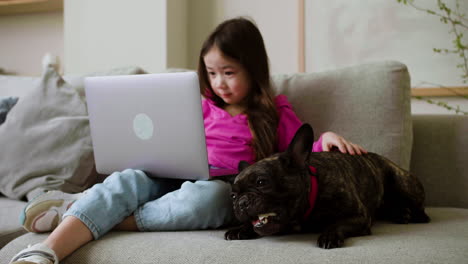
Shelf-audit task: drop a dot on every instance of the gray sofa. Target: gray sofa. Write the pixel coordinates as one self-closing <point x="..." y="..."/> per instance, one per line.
<point x="370" y="105"/>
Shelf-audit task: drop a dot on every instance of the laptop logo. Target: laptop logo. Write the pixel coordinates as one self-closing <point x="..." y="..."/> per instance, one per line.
<point x="143" y="126"/>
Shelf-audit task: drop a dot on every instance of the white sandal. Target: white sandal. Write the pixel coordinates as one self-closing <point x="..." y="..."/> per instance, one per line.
<point x="36" y="254"/>
<point x="44" y="213"/>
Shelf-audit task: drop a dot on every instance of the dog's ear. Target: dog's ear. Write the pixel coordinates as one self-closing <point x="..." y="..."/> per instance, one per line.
<point x="301" y="145"/>
<point x="242" y="165"/>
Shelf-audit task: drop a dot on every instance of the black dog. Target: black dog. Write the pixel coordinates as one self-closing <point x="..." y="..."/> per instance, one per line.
<point x="347" y="192"/>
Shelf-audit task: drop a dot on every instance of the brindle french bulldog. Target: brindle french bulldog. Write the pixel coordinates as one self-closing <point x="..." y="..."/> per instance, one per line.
<point x="347" y="193"/>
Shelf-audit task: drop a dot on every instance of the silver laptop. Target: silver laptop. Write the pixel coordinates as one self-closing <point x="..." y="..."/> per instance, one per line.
<point x="150" y="122"/>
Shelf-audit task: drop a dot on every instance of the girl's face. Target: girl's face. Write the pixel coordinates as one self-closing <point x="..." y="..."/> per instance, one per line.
<point x="228" y="78"/>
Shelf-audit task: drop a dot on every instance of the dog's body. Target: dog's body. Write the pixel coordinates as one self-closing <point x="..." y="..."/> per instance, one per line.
<point x="273" y="196"/>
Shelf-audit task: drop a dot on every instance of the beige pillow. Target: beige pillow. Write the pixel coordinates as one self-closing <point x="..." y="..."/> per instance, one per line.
<point x="368" y="104"/>
<point x="45" y="141"/>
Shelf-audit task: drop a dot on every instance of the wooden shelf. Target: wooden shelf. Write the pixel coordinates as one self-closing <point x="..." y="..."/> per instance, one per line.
<point x="440" y="91"/>
<point x="17" y="7"/>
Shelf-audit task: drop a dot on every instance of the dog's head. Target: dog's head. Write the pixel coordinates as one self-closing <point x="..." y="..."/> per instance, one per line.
<point x="272" y="194"/>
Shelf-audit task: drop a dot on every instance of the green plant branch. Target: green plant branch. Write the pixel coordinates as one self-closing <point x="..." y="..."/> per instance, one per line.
<point x="456" y="109"/>
<point x="457" y="21"/>
<point x="444" y="8"/>
<point x="445" y="105"/>
<point x="454" y="19"/>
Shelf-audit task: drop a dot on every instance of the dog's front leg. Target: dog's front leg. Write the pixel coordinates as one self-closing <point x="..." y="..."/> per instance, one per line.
<point x="335" y="234"/>
<point x="242" y="232"/>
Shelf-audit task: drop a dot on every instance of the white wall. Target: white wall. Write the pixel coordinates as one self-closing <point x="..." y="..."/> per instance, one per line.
<point x="24" y="39"/>
<point x="338" y="33"/>
<point x="103" y="34"/>
<point x="276" y="19"/>
<point x="343" y="32"/>
<point x="98" y="35"/>
<point x="177" y="35"/>
<point x="202" y="19"/>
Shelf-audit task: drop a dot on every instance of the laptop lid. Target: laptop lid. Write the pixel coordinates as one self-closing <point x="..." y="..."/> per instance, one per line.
<point x="151" y="122"/>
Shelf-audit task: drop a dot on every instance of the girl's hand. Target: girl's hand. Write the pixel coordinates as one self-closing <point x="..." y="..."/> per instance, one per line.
<point x="330" y="140"/>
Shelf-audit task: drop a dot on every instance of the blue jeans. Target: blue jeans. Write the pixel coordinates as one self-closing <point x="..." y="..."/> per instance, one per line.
<point x="157" y="204"/>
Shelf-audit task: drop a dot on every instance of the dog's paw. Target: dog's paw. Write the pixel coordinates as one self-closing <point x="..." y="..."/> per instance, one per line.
<point x="406" y="215"/>
<point x="241" y="233"/>
<point x="401" y="215"/>
<point x="419" y="216"/>
<point x="330" y="239"/>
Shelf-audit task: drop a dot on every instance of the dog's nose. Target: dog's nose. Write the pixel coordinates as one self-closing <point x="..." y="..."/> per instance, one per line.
<point x="243" y="203"/>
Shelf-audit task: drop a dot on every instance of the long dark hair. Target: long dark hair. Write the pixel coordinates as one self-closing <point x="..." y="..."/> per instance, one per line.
<point x="240" y="39"/>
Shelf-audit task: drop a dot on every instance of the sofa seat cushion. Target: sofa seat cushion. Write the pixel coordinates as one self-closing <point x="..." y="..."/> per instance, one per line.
<point x="444" y="240"/>
<point x="10" y="227"/>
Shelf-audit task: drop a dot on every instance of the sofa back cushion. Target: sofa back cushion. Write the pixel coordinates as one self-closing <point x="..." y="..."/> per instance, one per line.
<point x="369" y="104"/>
<point x="46" y="142"/>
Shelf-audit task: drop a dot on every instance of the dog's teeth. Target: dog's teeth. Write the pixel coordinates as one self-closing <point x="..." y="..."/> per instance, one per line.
<point x="263" y="218"/>
<point x="266" y="215"/>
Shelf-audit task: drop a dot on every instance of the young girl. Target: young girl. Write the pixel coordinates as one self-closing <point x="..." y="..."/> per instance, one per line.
<point x="243" y="121"/>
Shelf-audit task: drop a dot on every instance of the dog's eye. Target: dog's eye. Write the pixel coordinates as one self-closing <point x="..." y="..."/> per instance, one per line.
<point x="261" y="182"/>
<point x="233" y="196"/>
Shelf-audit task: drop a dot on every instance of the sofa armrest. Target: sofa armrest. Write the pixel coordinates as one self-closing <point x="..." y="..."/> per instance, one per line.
<point x="439" y="158"/>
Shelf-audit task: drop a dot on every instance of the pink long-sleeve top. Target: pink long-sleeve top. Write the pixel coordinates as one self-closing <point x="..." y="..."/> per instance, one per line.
<point x="228" y="138"/>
